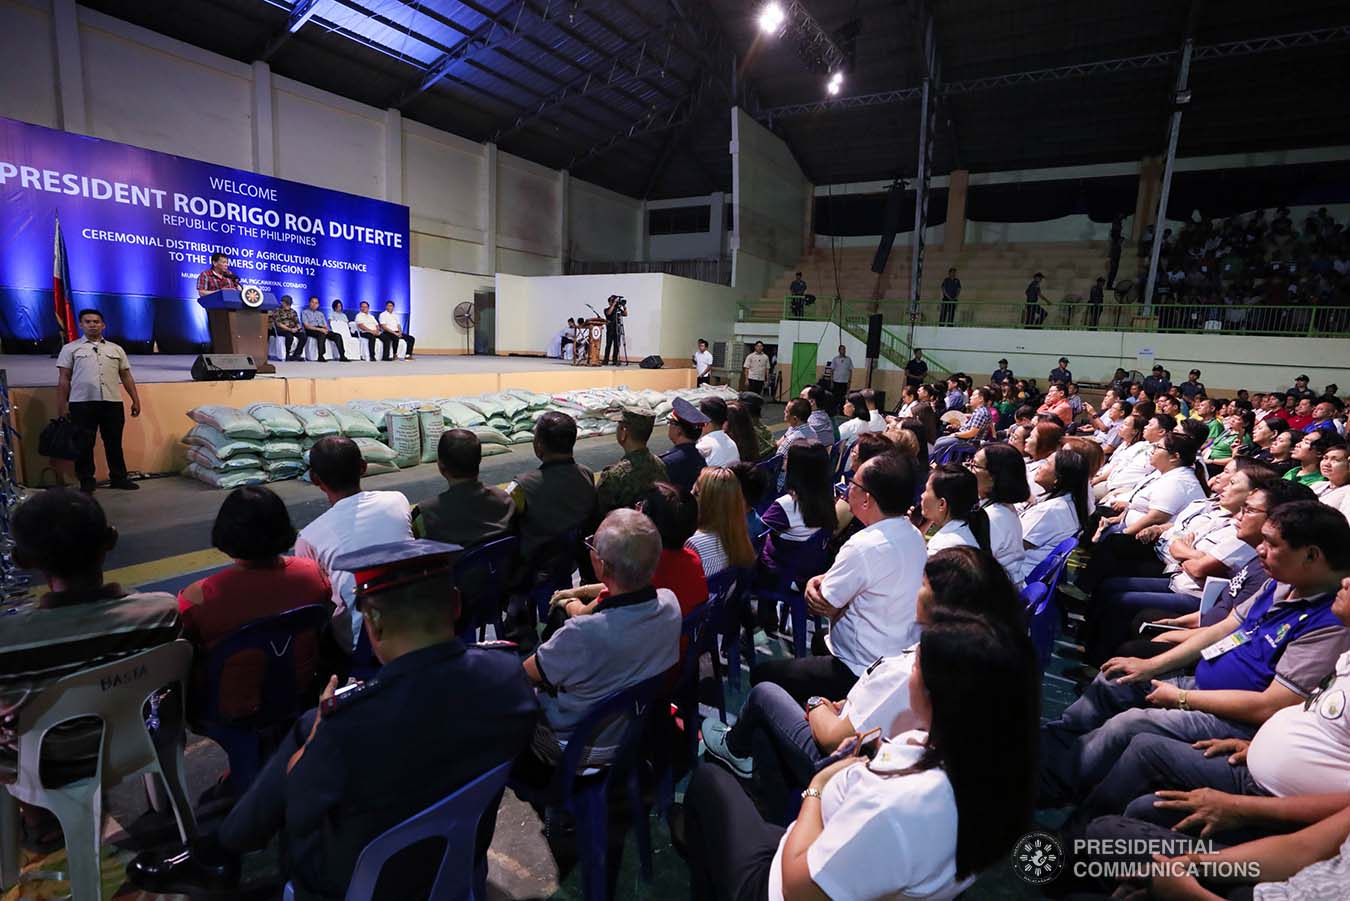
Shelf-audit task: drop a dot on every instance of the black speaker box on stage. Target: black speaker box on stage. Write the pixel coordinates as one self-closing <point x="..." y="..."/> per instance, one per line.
<point x="873" y="336"/>
<point x="223" y="368"/>
<point x="652" y="362"/>
<point x="889" y="226"/>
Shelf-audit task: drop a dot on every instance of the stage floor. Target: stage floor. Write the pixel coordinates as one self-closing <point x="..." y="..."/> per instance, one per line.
<point x="32" y="371"/>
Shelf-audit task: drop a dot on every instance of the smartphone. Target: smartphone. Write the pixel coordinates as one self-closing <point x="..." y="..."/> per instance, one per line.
<point x="1155" y="628"/>
<point x="328" y="705"/>
<point x="868" y="743"/>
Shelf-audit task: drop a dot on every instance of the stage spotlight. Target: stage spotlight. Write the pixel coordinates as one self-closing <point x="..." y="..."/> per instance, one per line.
<point x="836" y="82"/>
<point x="833" y="88"/>
<point x="771" y="18"/>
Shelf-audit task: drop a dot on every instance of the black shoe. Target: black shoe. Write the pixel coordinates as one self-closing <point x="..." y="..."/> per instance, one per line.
<point x="185" y="872"/>
<point x="88" y="486"/>
<point x="124" y="485"/>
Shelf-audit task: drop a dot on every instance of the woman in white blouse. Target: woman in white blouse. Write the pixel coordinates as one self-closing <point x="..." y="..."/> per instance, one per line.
<point x="857" y="419"/>
<point x="1337" y="473"/>
<point x="950" y="504"/>
<point x="918" y="817"/>
<point x="1044" y="440"/>
<point x="1160" y="496"/>
<point x="1129" y="461"/>
<point x="1061" y="513"/>
<point x="1002" y="481"/>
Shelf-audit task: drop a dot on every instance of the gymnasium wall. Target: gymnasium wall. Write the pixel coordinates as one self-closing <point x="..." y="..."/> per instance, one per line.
<point x="473" y="210"/>
<point x="772" y="200"/>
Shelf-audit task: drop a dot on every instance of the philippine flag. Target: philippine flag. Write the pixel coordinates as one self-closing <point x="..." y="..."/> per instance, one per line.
<point x="61" y="289"/>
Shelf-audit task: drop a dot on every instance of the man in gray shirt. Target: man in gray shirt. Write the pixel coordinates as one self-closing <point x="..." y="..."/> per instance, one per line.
<point x="841" y="372"/>
<point x="629" y="634"/>
<point x="315" y="324"/>
<point x="91" y="373"/>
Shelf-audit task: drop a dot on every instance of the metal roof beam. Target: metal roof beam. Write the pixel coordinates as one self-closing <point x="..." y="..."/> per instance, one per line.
<point x="1227" y="50"/>
<point x="714" y="47"/>
<point x="672" y="115"/>
<point x="301" y="13"/>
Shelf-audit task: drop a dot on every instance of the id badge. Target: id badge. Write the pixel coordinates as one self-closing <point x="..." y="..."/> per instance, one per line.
<point x="1223" y="646"/>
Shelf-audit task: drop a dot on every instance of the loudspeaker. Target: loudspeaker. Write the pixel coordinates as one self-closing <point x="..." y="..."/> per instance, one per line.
<point x="873" y="336"/>
<point x="652" y="362"/>
<point x="889" y="226"/>
<point x="223" y="368"/>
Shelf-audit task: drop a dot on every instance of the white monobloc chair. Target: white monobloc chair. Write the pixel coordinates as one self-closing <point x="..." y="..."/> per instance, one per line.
<point x="116" y="694"/>
<point x="351" y="344"/>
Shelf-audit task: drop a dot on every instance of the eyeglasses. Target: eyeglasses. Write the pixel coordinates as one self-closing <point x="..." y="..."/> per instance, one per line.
<point x="854" y="483"/>
<point x="589" y="541"/>
<point x="1249" y="508"/>
<point x="976" y="467"/>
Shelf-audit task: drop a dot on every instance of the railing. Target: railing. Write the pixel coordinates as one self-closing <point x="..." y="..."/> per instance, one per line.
<point x="1224" y="319"/>
<point x="716" y="271"/>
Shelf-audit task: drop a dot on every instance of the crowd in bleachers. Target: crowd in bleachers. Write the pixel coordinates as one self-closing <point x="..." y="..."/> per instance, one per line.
<point x="1225" y="268"/>
<point x="917" y="560"/>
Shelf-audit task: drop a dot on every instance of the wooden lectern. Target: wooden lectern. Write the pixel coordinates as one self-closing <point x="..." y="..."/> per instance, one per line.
<point x="237" y="320"/>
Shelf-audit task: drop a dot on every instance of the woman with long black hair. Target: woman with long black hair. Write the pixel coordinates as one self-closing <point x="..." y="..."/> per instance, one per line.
<point x="1061" y="513"/>
<point x="951" y="505"/>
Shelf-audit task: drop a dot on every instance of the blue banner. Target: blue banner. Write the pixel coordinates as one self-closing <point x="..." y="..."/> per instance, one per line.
<point x="140" y="227"/>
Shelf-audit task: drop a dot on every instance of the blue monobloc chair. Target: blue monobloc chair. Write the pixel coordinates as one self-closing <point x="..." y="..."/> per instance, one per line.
<point x="462" y="874"/>
<point x="483" y="577"/>
<point x="1038" y="599"/>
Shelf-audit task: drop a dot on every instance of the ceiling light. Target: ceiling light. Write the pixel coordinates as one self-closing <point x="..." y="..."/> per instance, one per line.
<point x="833" y="88"/>
<point x="771" y="18"/>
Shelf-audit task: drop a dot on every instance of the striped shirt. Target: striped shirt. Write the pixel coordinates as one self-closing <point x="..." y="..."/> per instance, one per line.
<point x="708" y="546"/>
<point x="210" y="280"/>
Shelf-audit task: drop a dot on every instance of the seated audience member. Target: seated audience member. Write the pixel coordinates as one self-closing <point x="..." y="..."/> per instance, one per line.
<point x="1202" y="542"/>
<point x="315" y="324"/>
<point x="1262" y="435"/>
<point x="391" y="332"/>
<point x="934" y="807"/>
<point x="1247" y="787"/>
<point x="285" y="324"/>
<point x="801" y="521"/>
<point x="796" y="414"/>
<point x="721" y="539"/>
<point x="741" y="431"/>
<point x="857" y="418"/>
<point x="1197" y="432"/>
<point x="1301" y="417"/>
<point x="354" y="519"/>
<point x="1056" y="405"/>
<point x="1129" y="461"/>
<point x="1281" y="448"/>
<point x="1091" y="451"/>
<point x="467" y="512"/>
<point x="909" y="396"/>
<point x="1060" y="513"/>
<point x="79" y="622"/>
<point x="1002" y="482"/>
<point x="868" y="445"/>
<point x="955" y="399"/>
<point x="346" y="771"/>
<point x="927" y="416"/>
<point x="771" y="744"/>
<point x="765" y="445"/>
<point x="820" y="420"/>
<point x="1267" y="654"/>
<point x="1042" y="443"/>
<point x="679" y="570"/>
<point x="716" y="446"/>
<point x="254" y="529"/>
<point x="754" y="490"/>
<point x="1337" y="473"/>
<point x="977" y="425"/>
<point x="559" y="496"/>
<point x="629" y="634"/>
<point x="620" y="484"/>
<point x="869" y="592"/>
<point x="684" y="461"/>
<point x="1324" y="415"/>
<point x="950" y="504"/>
<point x="1236" y="434"/>
<point x="874" y="416"/>
<point x="1163" y="492"/>
<point x="1307" y="457"/>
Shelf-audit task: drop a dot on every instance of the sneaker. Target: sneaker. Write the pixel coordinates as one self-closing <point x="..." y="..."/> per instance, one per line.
<point x="715" y="743"/>
<point x="89" y="486"/>
<point x="124" y="485"/>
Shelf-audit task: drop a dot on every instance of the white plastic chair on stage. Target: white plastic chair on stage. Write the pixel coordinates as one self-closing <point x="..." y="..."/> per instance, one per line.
<point x="353" y="345"/>
<point x="116" y="694"/>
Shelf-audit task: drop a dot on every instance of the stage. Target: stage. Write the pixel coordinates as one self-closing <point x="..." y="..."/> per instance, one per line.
<point x="152" y="442"/>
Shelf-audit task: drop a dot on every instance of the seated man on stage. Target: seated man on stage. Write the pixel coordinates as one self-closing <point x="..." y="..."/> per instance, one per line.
<point x="368" y="329"/>
<point x="285" y="323"/>
<point x="316" y="327"/>
<point x="391" y="332"/>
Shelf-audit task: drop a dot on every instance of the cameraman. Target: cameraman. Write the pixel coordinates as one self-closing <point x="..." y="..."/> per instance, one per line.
<point x="617" y="307"/>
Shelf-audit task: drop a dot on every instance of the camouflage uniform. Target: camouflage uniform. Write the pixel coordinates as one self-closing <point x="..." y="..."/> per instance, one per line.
<point x="621" y="484"/>
<point x="764" y="438"/>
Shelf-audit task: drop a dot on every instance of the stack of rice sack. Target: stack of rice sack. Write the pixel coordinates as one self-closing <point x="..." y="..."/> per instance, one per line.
<point x="472" y="414"/>
<point x="225" y="447"/>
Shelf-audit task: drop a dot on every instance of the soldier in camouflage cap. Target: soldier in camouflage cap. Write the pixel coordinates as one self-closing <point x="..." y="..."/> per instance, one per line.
<point x="622" y="483"/>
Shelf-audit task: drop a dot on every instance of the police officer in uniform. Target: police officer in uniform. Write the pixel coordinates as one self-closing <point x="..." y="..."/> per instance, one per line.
<point x="622" y="483"/>
<point x="437" y="715"/>
<point x="684" y="461"/>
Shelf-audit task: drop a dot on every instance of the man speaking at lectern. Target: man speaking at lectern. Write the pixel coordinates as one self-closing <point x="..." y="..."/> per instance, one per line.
<point x="218" y="277"/>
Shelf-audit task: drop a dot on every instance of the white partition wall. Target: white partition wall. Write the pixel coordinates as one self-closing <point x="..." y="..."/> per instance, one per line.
<point x="772" y="199"/>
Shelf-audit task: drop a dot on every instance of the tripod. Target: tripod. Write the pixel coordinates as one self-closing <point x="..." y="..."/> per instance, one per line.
<point x="623" y="344"/>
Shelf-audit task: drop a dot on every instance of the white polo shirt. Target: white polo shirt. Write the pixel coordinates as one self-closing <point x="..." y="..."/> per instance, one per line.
<point x="367" y="321"/>
<point x="391" y="321"/>
<point x="1307" y="752"/>
<point x="1168" y="492"/>
<point x="877" y="421"/>
<point x="1005" y="539"/>
<point x="885" y="835"/>
<point x="1129" y="465"/>
<point x="95" y="370"/>
<point x="875" y="580"/>
<point x="363" y="520"/>
<point x="718" y="449"/>
<point x="703" y="362"/>
<point x="880" y="697"/>
<point x="1044" y="526"/>
<point x="954" y="534"/>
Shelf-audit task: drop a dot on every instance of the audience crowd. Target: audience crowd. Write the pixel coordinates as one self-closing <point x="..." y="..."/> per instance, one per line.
<point x="902" y="754"/>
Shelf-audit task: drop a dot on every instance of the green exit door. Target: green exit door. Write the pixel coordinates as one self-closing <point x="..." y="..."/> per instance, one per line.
<point x="803" y="366"/>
